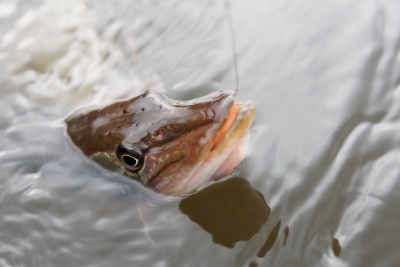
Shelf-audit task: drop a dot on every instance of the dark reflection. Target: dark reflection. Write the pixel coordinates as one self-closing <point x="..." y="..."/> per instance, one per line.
<point x="337" y="249"/>
<point x="286" y="232"/>
<point x="273" y="235"/>
<point x="230" y="211"/>
<point x="253" y="264"/>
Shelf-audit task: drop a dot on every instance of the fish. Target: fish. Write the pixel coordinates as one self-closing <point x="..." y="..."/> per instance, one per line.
<point x="172" y="147"/>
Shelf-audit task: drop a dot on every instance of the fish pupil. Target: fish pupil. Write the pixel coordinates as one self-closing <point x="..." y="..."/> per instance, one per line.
<point x="129" y="160"/>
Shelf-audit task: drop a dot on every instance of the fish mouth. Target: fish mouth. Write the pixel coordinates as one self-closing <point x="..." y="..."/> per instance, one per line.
<point x="225" y="150"/>
<point x="231" y="144"/>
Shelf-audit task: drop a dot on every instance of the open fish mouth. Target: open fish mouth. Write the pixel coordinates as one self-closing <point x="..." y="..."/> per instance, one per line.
<point x="173" y="147"/>
<point x="234" y="137"/>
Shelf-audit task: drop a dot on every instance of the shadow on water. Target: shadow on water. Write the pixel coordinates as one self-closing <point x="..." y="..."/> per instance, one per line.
<point x="230" y="211"/>
<point x="273" y="235"/>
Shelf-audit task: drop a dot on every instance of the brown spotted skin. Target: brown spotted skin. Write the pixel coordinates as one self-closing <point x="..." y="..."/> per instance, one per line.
<point x="173" y="135"/>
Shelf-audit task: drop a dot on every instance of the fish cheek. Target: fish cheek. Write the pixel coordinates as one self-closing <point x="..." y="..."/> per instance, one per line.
<point x="106" y="161"/>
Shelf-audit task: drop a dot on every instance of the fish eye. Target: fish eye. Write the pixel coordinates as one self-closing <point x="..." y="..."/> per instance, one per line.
<point x="131" y="157"/>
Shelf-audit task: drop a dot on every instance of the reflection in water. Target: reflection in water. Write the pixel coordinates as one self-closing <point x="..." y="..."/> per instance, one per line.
<point x="286" y="235"/>
<point x="230" y="211"/>
<point x="273" y="235"/>
<point x="337" y="249"/>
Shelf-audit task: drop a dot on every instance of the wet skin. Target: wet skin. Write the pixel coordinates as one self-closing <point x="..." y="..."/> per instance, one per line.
<point x="173" y="147"/>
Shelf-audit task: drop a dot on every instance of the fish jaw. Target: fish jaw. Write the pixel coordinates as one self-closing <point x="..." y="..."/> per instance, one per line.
<point x="221" y="157"/>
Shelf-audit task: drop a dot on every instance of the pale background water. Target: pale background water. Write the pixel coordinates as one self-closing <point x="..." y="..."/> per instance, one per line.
<point x="325" y="145"/>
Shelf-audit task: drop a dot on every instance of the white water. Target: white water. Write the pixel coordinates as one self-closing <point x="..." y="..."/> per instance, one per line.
<point x="324" y="150"/>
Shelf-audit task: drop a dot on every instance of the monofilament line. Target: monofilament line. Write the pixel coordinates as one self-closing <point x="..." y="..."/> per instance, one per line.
<point x="233" y="41"/>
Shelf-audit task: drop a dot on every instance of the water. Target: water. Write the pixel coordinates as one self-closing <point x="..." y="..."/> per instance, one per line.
<point x="323" y="166"/>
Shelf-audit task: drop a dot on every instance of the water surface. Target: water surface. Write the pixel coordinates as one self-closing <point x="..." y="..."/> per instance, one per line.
<point x="322" y="179"/>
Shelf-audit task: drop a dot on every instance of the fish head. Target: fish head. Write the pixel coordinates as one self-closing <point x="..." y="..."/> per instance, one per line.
<point x="173" y="147"/>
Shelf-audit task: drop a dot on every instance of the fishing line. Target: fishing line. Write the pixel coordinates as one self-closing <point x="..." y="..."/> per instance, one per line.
<point x="228" y="12"/>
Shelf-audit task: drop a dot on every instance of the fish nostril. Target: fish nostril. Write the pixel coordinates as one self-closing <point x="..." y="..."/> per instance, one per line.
<point x="137" y="124"/>
<point x="159" y="107"/>
<point x="125" y="111"/>
<point x="142" y="109"/>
